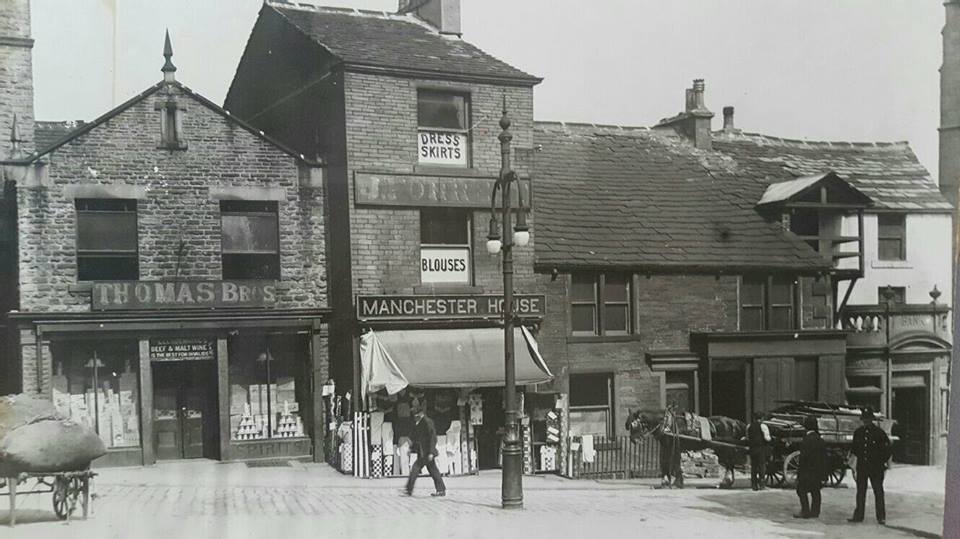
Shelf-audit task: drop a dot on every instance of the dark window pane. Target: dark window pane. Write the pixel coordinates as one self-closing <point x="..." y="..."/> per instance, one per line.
<point x="102" y="231"/>
<point x="805" y="222"/>
<point x="442" y="110"/>
<point x="615" y="318"/>
<point x="583" y="288"/>
<point x="891" y="225"/>
<point x="781" y="318"/>
<point x="107" y="268"/>
<point x="751" y="319"/>
<point x="250" y="233"/>
<point x="751" y="290"/>
<point x="891" y="249"/>
<point x="444" y="227"/>
<point x="782" y="292"/>
<point x="589" y="389"/>
<point x="583" y="318"/>
<point x="251" y="266"/>
<point x="680" y="398"/>
<point x="615" y="288"/>
<point x="899" y="295"/>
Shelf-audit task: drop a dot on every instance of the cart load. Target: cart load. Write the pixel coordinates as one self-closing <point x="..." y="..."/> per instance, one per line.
<point x="35" y="438"/>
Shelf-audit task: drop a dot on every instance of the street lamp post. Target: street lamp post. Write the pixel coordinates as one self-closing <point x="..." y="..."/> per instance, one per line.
<point x="887" y="299"/>
<point x="511" y="491"/>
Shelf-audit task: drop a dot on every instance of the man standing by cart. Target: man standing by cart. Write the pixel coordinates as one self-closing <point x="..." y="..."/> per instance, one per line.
<point x="871" y="446"/>
<point x="758" y="436"/>
<point x="811" y="469"/>
<point x="425" y="444"/>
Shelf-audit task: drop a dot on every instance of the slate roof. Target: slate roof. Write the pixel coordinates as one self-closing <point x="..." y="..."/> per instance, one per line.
<point x="889" y="173"/>
<point x="388" y="40"/>
<point x="46" y="133"/>
<point x="633" y="198"/>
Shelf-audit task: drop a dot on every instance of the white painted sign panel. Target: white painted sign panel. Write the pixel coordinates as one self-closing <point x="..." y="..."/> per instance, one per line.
<point x="442" y="148"/>
<point x="445" y="265"/>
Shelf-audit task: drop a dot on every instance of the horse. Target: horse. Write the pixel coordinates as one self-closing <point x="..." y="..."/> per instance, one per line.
<point x="667" y="426"/>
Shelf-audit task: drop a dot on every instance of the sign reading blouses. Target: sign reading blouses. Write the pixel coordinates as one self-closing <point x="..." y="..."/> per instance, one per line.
<point x="439" y="307"/>
<point x="414" y="190"/>
<point x="152" y="295"/>
<point x="181" y="350"/>
<point x="444" y="265"/>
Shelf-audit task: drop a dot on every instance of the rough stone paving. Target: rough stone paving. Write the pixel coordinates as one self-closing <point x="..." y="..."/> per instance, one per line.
<point x="230" y="500"/>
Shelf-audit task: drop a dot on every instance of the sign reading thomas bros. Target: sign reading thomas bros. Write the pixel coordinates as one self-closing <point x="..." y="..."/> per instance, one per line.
<point x="418" y="190"/>
<point x="181" y="350"/>
<point x="420" y="307"/>
<point x="154" y="295"/>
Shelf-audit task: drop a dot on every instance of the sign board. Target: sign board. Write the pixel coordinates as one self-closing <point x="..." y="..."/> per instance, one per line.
<point x="420" y="190"/>
<point x="445" y="307"/>
<point x="181" y="350"/>
<point x="445" y="265"/>
<point x="156" y="295"/>
<point x="442" y="148"/>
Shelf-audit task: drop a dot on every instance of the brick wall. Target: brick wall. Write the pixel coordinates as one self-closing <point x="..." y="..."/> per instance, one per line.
<point x="16" y="74"/>
<point x="177" y="205"/>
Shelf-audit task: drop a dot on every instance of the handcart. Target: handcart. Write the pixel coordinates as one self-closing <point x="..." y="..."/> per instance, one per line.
<point x="68" y="489"/>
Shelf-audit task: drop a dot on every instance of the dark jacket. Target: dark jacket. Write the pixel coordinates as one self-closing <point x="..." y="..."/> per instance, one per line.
<point x="755" y="437"/>
<point x="813" y="461"/>
<point x="871" y="447"/>
<point x="424" y="438"/>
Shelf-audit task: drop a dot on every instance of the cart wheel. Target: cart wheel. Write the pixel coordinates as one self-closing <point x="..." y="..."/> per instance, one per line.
<point x="775" y="476"/>
<point x="790" y="465"/>
<point x="835" y="477"/>
<point x="60" y="504"/>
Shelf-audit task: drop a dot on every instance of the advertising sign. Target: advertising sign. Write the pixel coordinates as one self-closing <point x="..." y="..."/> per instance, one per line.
<point x="445" y="265"/>
<point x="181" y="350"/>
<point x="420" y="190"/>
<point x="151" y="295"/>
<point x="442" y="148"/>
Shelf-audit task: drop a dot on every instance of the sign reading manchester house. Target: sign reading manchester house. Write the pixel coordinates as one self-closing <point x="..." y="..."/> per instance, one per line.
<point x="420" y="307"/>
<point x="181" y="350"/>
<point x="153" y="295"/>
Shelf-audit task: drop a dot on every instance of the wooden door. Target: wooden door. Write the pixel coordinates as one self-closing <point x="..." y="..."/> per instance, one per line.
<point x="167" y="438"/>
<point x="191" y="417"/>
<point x="772" y="381"/>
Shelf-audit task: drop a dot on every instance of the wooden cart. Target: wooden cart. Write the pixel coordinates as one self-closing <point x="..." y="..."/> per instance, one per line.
<point x="68" y="489"/>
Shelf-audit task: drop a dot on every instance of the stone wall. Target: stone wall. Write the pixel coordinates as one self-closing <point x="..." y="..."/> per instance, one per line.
<point x="16" y="74"/>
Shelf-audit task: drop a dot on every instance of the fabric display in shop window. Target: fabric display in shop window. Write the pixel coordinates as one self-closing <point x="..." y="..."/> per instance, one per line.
<point x="376" y="461"/>
<point x="587" y="450"/>
<point x="527" y="449"/>
<point x="548" y="458"/>
<point x="455" y="460"/>
<point x="403" y="454"/>
<point x="476" y="409"/>
<point x="376" y="427"/>
<point x="441" y="458"/>
<point x="361" y="445"/>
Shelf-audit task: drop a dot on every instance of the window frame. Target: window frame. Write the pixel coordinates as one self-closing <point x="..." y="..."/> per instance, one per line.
<point x="129" y="255"/>
<point x="609" y="407"/>
<point x="275" y="213"/>
<point x="468" y="215"/>
<point x="900" y="236"/>
<point x="464" y="131"/>
<point x="767" y="306"/>
<point x="600" y="304"/>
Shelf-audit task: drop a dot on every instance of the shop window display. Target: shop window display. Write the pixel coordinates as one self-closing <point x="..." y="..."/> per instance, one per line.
<point x="96" y="384"/>
<point x="266" y="390"/>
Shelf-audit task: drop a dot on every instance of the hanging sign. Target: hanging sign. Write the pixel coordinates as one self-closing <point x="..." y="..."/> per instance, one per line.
<point x="445" y="265"/>
<point x="150" y="295"/>
<point x="181" y="350"/>
<point x="445" y="307"/>
<point x="442" y="148"/>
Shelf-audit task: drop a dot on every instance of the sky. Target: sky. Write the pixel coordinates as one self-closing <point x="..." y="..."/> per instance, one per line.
<point x="859" y="70"/>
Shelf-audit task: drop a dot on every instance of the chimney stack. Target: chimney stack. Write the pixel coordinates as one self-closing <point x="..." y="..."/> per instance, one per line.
<point x="950" y="104"/>
<point x="444" y="15"/>
<point x="694" y="122"/>
<point x="728" y="119"/>
<point x="16" y="77"/>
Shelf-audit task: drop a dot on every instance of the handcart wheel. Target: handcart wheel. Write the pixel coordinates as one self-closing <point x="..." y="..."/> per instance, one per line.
<point x="775" y="478"/>
<point x="60" y="504"/>
<point x="835" y="477"/>
<point x="791" y="463"/>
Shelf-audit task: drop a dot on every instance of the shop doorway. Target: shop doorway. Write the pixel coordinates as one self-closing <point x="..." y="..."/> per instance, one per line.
<point x="728" y="388"/>
<point x="490" y="433"/>
<point x="185" y="410"/>
<point x="910" y="413"/>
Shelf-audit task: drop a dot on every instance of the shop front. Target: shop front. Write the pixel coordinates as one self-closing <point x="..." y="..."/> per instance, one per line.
<point x="163" y="383"/>
<point x="445" y="355"/>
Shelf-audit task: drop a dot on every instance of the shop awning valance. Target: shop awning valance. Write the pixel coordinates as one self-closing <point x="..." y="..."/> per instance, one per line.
<point x="447" y="358"/>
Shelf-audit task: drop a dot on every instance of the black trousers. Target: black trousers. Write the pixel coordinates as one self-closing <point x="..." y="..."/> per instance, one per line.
<point x="809" y="508"/>
<point x="431" y="468"/>
<point x="758" y="467"/>
<point x="876" y="482"/>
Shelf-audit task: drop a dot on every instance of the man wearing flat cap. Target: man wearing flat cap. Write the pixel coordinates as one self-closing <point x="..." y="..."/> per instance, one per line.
<point x="871" y="446"/>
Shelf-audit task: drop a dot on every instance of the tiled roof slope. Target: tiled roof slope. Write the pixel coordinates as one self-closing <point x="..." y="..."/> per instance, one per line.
<point x="633" y="198"/>
<point x="889" y="173"/>
<point x="377" y="38"/>
<point x="47" y="132"/>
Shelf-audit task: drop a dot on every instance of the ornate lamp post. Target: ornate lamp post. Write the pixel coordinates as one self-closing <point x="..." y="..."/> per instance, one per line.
<point x="511" y="491"/>
<point x="887" y="300"/>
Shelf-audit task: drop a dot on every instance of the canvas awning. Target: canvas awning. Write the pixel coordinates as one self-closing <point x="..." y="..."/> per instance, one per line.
<point x="447" y="358"/>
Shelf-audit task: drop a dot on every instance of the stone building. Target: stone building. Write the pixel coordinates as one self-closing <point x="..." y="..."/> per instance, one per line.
<point x="170" y="263"/>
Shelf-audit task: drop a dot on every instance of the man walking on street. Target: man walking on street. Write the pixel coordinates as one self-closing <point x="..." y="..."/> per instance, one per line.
<point x="871" y="446"/>
<point x="758" y="436"/>
<point x="425" y="445"/>
<point x="811" y="469"/>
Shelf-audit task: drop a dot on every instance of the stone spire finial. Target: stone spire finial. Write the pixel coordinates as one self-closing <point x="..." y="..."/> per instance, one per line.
<point x="168" y="68"/>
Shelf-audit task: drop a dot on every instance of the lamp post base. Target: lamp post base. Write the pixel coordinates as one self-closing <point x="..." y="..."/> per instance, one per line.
<point x="511" y="493"/>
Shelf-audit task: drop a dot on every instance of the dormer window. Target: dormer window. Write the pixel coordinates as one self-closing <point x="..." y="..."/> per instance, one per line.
<point x="171" y="125"/>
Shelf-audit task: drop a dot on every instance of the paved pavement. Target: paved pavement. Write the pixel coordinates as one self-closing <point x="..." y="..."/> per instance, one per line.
<point x="207" y="499"/>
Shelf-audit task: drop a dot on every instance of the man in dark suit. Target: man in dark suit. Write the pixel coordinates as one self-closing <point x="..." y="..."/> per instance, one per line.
<point x="425" y="445"/>
<point x="811" y="469"/>
<point x="871" y="446"/>
<point x="757" y="438"/>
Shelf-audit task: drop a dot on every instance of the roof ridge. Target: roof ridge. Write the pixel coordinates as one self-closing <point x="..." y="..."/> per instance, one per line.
<point x="742" y="135"/>
<point x="315" y="8"/>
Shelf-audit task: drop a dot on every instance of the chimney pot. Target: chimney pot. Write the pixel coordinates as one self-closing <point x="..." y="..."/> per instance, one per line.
<point x="698" y="88"/>
<point x="728" y="119"/>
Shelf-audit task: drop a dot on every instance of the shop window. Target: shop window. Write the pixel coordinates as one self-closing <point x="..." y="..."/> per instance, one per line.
<point x="443" y="136"/>
<point x="445" y="247"/>
<point x="866" y="391"/>
<point x="899" y="295"/>
<point x="600" y="304"/>
<point x="680" y="390"/>
<point x="892" y="236"/>
<point x="267" y="377"/>
<point x="591" y="404"/>
<point x="767" y="303"/>
<point x="107" y="239"/>
<point x="250" y="240"/>
<point x="96" y="384"/>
